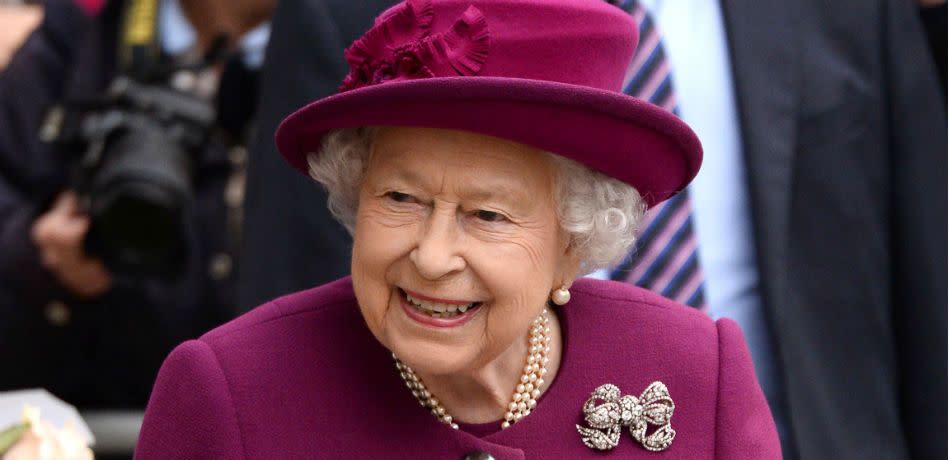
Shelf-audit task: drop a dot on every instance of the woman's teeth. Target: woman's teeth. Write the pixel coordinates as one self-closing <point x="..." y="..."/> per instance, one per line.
<point x="436" y="309"/>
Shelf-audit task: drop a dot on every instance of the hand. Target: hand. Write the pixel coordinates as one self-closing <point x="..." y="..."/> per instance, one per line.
<point x="58" y="234"/>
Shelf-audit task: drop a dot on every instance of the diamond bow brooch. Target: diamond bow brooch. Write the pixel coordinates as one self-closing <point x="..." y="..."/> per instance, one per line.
<point x="606" y="419"/>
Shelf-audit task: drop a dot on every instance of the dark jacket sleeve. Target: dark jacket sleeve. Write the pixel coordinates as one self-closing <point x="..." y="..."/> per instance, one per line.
<point x="918" y="136"/>
<point x="304" y="63"/>
<point x="31" y="82"/>
<point x="744" y="425"/>
<point x="103" y="352"/>
<point x="29" y="172"/>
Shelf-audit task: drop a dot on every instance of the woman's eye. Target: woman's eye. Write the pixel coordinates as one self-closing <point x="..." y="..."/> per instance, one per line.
<point x="489" y="216"/>
<point x="400" y="197"/>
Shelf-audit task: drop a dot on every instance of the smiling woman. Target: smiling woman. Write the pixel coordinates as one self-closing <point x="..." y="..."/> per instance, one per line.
<point x="461" y="219"/>
<point x="472" y="221"/>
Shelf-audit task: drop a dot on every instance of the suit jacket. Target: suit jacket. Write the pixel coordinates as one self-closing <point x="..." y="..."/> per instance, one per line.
<point x="304" y="63"/>
<point x="106" y="352"/>
<point x="845" y="147"/>
<point x="302" y="377"/>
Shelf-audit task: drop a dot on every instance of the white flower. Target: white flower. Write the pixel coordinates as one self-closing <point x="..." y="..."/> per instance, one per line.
<point x="44" y="442"/>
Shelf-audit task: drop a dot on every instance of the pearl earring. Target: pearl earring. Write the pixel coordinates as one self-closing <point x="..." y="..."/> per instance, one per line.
<point x="561" y="296"/>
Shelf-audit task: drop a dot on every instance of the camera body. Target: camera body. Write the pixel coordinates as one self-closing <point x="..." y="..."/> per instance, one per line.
<point x="141" y="143"/>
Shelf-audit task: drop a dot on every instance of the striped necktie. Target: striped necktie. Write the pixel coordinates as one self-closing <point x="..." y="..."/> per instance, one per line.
<point x="665" y="258"/>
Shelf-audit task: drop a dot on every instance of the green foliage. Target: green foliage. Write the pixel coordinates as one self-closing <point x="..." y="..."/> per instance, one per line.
<point x="11" y="435"/>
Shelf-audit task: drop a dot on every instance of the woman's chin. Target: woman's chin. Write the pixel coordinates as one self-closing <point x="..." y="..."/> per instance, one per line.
<point x="433" y="359"/>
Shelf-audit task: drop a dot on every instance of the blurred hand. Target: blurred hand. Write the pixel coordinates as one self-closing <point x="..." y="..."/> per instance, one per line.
<point x="58" y="234"/>
<point x="928" y="3"/>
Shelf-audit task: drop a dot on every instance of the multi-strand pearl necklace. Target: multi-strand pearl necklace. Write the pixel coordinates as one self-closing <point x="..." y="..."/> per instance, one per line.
<point x="525" y="396"/>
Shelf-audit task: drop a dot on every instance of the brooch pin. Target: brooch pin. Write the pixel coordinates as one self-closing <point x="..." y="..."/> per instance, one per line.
<point x="653" y="407"/>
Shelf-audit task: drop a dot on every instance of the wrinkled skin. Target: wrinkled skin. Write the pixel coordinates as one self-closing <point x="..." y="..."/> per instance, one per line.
<point x="460" y="216"/>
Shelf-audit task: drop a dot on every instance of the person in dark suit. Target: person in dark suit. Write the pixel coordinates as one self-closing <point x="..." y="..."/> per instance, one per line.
<point x="845" y="149"/>
<point x="289" y="80"/>
<point x="91" y="334"/>
<point x="844" y="157"/>
<point x="822" y="198"/>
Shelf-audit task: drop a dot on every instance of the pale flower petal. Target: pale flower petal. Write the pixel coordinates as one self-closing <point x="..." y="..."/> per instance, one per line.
<point x="44" y="442"/>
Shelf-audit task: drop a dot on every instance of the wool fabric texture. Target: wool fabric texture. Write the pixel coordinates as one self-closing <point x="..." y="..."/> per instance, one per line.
<point x="302" y="377"/>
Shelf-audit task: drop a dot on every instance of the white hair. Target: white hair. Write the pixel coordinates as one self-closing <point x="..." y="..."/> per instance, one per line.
<point x="599" y="213"/>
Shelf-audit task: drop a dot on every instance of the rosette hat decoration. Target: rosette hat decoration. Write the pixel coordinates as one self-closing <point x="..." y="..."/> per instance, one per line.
<point x="400" y="47"/>
<point x="545" y="73"/>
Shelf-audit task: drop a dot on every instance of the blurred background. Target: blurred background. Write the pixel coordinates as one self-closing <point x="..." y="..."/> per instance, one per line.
<point x="17" y="20"/>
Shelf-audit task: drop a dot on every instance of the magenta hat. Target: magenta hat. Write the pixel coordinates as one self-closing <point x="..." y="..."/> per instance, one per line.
<point x="546" y="73"/>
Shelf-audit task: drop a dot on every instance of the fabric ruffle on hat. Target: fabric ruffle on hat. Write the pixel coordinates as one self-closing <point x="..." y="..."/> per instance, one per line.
<point x="401" y="47"/>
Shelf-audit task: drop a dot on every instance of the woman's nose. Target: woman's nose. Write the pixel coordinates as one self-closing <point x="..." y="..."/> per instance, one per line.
<point x="437" y="254"/>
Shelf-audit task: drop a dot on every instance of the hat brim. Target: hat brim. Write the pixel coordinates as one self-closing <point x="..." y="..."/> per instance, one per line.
<point x="621" y="136"/>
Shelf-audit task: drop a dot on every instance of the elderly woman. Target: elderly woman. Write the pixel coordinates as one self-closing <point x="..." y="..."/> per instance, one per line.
<point x="483" y="158"/>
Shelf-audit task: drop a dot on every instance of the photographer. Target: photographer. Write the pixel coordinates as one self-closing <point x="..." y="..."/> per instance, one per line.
<point x="121" y="184"/>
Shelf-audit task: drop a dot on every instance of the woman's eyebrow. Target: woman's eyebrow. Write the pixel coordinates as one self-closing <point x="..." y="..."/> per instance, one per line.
<point x="482" y="189"/>
<point x="509" y="195"/>
<point x="492" y="192"/>
<point x="399" y="171"/>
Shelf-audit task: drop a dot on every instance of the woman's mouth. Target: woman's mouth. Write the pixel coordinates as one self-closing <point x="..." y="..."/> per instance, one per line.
<point x="437" y="313"/>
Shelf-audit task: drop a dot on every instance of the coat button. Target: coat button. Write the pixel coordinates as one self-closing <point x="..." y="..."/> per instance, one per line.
<point x="478" y="455"/>
<point x="220" y="265"/>
<point x="57" y="313"/>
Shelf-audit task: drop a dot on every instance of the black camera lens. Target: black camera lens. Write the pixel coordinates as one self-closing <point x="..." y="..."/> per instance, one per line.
<point x="141" y="143"/>
<point x="139" y="232"/>
<point x="138" y="199"/>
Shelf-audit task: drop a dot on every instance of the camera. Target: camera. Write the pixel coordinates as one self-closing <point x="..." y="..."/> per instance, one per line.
<point x="140" y="145"/>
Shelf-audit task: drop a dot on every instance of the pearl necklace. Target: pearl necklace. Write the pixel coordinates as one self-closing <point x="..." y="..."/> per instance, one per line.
<point x="525" y="396"/>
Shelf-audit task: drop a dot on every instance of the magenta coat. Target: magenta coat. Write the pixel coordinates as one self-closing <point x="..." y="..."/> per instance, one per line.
<point x="302" y="377"/>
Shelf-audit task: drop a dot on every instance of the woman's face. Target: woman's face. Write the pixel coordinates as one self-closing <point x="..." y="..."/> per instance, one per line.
<point x="457" y="246"/>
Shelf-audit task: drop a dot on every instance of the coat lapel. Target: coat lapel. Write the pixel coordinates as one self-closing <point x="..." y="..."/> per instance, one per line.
<point x="764" y="54"/>
<point x="764" y="40"/>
